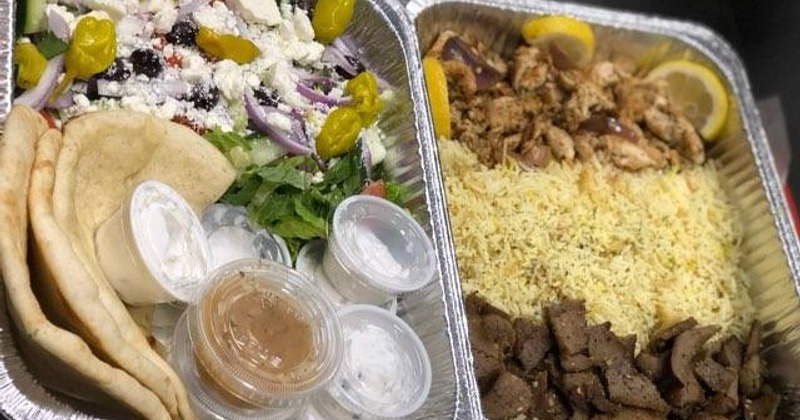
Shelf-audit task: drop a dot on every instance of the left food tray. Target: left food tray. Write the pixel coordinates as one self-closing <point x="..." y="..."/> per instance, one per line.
<point x="382" y="34"/>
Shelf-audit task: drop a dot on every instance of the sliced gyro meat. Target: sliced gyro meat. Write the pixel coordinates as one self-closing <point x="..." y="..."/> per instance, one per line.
<point x="567" y="321"/>
<point x="628" y="387"/>
<point x="509" y="397"/>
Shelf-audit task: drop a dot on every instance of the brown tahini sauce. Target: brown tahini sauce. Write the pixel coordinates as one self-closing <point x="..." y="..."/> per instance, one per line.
<point x="254" y="329"/>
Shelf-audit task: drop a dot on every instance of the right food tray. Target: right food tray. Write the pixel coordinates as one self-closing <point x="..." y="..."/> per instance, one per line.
<point x="770" y="252"/>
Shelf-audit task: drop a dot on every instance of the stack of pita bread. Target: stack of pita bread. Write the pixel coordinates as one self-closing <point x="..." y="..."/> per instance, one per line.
<point x="56" y="188"/>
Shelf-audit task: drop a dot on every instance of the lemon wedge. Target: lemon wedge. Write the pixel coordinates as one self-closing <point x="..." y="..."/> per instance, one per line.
<point x="436" y="82"/>
<point x="572" y="36"/>
<point x="698" y="92"/>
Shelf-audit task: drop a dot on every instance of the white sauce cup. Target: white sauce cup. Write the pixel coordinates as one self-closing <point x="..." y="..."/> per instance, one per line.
<point x="376" y="251"/>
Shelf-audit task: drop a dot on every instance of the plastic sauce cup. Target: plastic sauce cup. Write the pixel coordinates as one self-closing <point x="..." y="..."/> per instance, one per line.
<point x="385" y="374"/>
<point x="376" y="251"/>
<point x="153" y="249"/>
<point x="258" y="344"/>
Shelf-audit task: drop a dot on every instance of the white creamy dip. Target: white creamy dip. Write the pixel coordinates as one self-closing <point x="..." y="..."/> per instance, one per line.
<point x="154" y="249"/>
<point x="384" y="370"/>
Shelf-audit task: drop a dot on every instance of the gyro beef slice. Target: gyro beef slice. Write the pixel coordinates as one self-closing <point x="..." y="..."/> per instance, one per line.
<point x="687" y="346"/>
<point x="629" y="387"/>
<point x="509" y="397"/>
<point x="731" y="353"/>
<point x="605" y="347"/>
<point x="684" y="351"/>
<point x="500" y="331"/>
<point x="715" y="376"/>
<point x="661" y="340"/>
<point x="654" y="366"/>
<point x="750" y="380"/>
<point x="533" y="342"/>
<point x="567" y="321"/>
<point x="629" y="413"/>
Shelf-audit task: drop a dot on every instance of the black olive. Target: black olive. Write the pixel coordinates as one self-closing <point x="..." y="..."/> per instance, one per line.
<point x="147" y="62"/>
<point x="204" y="97"/>
<point x="91" y="89"/>
<point x="117" y="72"/>
<point x="183" y="33"/>
<point x="266" y="96"/>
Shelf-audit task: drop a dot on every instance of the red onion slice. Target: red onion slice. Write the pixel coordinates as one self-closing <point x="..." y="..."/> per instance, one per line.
<point x="36" y="97"/>
<point x="64" y="101"/>
<point x="290" y="142"/>
<point x="317" y="97"/>
<point x="486" y="76"/>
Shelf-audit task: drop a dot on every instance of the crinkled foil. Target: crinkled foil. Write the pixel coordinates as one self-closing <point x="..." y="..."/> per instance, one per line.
<point x="770" y="247"/>
<point x="383" y="33"/>
<point x="6" y="44"/>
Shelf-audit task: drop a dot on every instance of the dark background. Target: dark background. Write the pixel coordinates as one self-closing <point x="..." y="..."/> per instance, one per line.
<point x="767" y="36"/>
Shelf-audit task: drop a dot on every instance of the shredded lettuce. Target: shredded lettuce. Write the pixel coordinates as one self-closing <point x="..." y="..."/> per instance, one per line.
<point x="282" y="197"/>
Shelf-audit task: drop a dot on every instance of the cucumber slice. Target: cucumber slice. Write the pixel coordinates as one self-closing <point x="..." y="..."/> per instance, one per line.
<point x="33" y="17"/>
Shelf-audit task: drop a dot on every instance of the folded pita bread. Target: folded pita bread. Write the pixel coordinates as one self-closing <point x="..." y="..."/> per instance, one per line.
<point x="104" y="156"/>
<point x="70" y="365"/>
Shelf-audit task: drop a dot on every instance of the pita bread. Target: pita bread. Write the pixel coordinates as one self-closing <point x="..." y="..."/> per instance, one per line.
<point x="104" y="156"/>
<point x="67" y="357"/>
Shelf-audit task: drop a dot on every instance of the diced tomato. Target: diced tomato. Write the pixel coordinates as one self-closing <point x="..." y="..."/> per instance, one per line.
<point x="174" y="61"/>
<point x="183" y="120"/>
<point x="375" y="188"/>
<point x="51" y="122"/>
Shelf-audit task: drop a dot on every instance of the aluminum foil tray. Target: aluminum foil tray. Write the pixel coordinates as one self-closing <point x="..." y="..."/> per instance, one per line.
<point x="383" y="32"/>
<point x="770" y="246"/>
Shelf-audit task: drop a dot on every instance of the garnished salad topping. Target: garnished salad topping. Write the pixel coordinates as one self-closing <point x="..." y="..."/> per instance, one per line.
<point x="281" y="94"/>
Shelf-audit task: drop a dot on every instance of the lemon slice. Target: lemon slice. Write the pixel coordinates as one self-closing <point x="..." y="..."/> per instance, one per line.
<point x="436" y="82"/>
<point x="698" y="92"/>
<point x="572" y="36"/>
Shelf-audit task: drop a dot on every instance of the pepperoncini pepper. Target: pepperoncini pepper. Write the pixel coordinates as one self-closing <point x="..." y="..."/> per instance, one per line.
<point x="339" y="132"/>
<point x="226" y="47"/>
<point x="92" y="50"/>
<point x="331" y="18"/>
<point x="31" y="64"/>
<point x="363" y="89"/>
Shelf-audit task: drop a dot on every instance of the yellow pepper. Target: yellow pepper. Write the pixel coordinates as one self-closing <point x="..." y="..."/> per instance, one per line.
<point x="363" y="89"/>
<point x="92" y="50"/>
<point x="331" y="18"/>
<point x="31" y="64"/>
<point x="229" y="47"/>
<point x="339" y="132"/>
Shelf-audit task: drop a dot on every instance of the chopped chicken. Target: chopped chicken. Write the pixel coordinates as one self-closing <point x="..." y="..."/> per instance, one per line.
<point x="532" y="111"/>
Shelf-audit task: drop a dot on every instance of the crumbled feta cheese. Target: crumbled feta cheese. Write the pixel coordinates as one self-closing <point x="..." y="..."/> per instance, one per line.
<point x="280" y="78"/>
<point x="218" y="18"/>
<point x="55" y="12"/>
<point x="373" y="138"/>
<point x="279" y="121"/>
<point x="317" y="177"/>
<point x="81" y="101"/>
<point x="259" y="11"/>
<point x="168" y="109"/>
<point x="229" y="79"/>
<point x="302" y="25"/>
<point x="155" y="6"/>
<point x="165" y="19"/>
<point x="134" y="103"/>
<point x="195" y="68"/>
<point x="116" y="9"/>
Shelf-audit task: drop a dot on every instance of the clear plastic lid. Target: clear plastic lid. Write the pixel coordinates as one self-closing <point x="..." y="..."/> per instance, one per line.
<point x="265" y="333"/>
<point x="386" y="372"/>
<point x="170" y="239"/>
<point x="382" y="242"/>
<point x="231" y="236"/>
